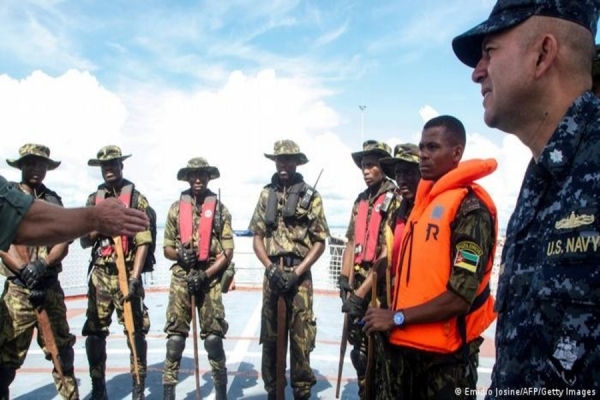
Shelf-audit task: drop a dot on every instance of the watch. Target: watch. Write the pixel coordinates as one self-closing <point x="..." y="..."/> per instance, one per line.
<point x="399" y="319"/>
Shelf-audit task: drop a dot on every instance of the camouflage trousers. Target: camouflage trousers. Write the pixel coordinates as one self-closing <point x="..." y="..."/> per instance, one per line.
<point x="302" y="331"/>
<point x="104" y="297"/>
<point x="211" y="312"/>
<point x="405" y="373"/>
<point x="18" y="319"/>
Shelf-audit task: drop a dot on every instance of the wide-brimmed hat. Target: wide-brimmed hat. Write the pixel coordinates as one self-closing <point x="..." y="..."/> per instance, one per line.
<point x="405" y="152"/>
<point x="34" y="150"/>
<point x="287" y="148"/>
<point x="107" y="153"/>
<point x="509" y="13"/>
<point x="198" y="164"/>
<point x="372" y="147"/>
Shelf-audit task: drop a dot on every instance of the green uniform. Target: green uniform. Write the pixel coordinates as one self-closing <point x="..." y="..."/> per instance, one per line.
<point x="356" y="337"/>
<point x="290" y="237"/>
<point x="19" y="317"/>
<point x="13" y="206"/>
<point x="105" y="296"/>
<point x="213" y="325"/>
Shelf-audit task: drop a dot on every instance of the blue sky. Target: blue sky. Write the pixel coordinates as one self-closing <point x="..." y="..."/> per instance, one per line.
<point x="168" y="81"/>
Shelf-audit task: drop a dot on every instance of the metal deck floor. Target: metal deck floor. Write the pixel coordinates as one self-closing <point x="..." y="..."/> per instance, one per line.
<point x="242" y="306"/>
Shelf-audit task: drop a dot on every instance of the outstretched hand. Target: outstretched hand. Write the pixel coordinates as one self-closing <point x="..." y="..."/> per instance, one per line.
<point x="112" y="218"/>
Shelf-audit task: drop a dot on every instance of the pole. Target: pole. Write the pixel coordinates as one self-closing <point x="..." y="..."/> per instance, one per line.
<point x="362" y="122"/>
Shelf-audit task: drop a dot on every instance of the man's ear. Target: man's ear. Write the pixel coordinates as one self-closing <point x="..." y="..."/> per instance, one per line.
<point x="458" y="152"/>
<point x="547" y="51"/>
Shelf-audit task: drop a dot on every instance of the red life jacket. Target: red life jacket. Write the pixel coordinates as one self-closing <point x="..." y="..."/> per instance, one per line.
<point x="125" y="197"/>
<point x="366" y="234"/>
<point x="186" y="221"/>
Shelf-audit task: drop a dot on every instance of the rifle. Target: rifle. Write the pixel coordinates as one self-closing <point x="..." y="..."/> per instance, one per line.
<point x="41" y="314"/>
<point x="344" y="342"/>
<point x="281" y="343"/>
<point x="127" y="308"/>
<point x="195" y="340"/>
<point x="371" y="344"/>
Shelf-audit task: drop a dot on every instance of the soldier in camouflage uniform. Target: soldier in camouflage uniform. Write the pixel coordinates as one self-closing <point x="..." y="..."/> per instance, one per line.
<point x="104" y="293"/>
<point x="441" y="302"/>
<point x="192" y="277"/>
<point x="356" y="297"/>
<point x="289" y="227"/>
<point x="37" y="286"/>
<point x="549" y="286"/>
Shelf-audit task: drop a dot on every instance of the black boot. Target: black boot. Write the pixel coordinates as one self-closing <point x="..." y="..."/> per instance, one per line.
<point x="138" y="389"/>
<point x="7" y="375"/>
<point x="169" y="392"/>
<point x="98" y="389"/>
<point x="220" y="382"/>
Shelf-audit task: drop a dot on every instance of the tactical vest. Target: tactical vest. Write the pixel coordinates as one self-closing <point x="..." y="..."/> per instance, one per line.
<point x="205" y="226"/>
<point x="366" y="227"/>
<point x="425" y="264"/>
<point x="125" y="197"/>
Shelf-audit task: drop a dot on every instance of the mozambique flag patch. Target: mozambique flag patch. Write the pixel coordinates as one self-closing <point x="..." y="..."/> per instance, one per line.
<point x="467" y="256"/>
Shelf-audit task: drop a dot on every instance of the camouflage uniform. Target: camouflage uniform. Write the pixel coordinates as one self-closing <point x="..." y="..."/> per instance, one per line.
<point x="418" y="374"/>
<point x="19" y="318"/>
<point x="104" y="292"/>
<point x="13" y="206"/>
<point x="290" y="238"/>
<point x="213" y="325"/>
<point x="549" y="286"/>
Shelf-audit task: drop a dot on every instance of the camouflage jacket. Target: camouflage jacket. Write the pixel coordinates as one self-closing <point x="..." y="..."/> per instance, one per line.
<point x="222" y="236"/>
<point x="549" y="286"/>
<point x="290" y="235"/>
<point x="140" y="238"/>
<point x="13" y="206"/>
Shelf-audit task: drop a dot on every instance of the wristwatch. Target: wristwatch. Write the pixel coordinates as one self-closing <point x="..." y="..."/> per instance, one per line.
<point x="399" y="319"/>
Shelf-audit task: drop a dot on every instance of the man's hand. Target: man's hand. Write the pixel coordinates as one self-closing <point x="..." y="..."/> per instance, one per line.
<point x="354" y="306"/>
<point x="291" y="280"/>
<point x="345" y="288"/>
<point x="276" y="278"/>
<point x="378" y="320"/>
<point x="186" y="257"/>
<point x="37" y="297"/>
<point x="195" y="281"/>
<point x="135" y="289"/>
<point x="33" y="273"/>
<point x="112" y="218"/>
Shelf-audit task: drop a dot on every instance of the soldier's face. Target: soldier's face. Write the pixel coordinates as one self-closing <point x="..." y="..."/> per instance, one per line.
<point x="112" y="171"/>
<point x="33" y="170"/>
<point x="198" y="181"/>
<point x="371" y="169"/>
<point x="286" y="167"/>
<point x="407" y="178"/>
<point x="439" y="154"/>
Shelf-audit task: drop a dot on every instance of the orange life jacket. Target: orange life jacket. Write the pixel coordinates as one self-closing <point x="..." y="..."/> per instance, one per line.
<point x="366" y="233"/>
<point x="186" y="221"/>
<point x="125" y="197"/>
<point x="425" y="264"/>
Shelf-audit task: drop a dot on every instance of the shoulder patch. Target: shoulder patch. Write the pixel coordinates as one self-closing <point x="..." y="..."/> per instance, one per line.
<point x="467" y="255"/>
<point x="471" y="203"/>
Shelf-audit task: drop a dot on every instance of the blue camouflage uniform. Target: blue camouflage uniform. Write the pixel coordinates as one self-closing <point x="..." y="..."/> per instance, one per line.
<point x="548" y="296"/>
<point x="13" y="207"/>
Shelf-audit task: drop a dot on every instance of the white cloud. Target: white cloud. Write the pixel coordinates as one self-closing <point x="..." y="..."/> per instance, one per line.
<point x="231" y="126"/>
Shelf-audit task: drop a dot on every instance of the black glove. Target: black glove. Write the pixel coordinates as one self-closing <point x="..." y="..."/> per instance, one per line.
<point x="291" y="280"/>
<point x="276" y="278"/>
<point x="33" y="273"/>
<point x="344" y="284"/>
<point x="135" y="289"/>
<point x="355" y="307"/>
<point x="37" y="297"/>
<point x="195" y="281"/>
<point x="187" y="257"/>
